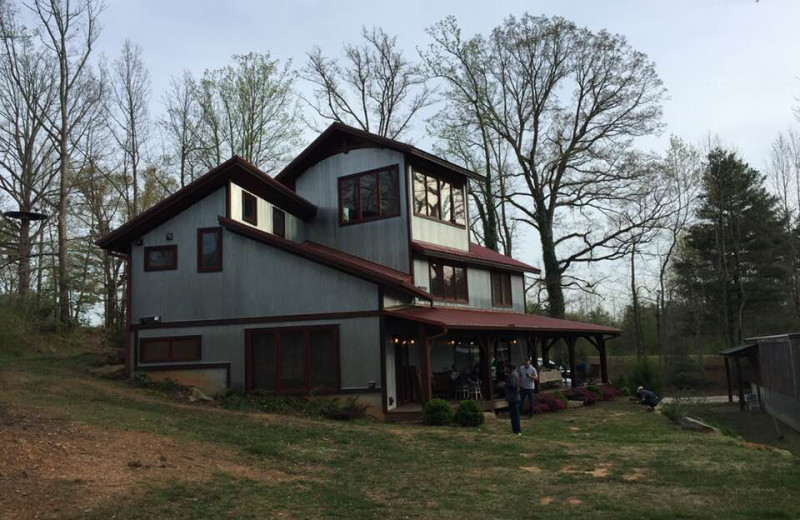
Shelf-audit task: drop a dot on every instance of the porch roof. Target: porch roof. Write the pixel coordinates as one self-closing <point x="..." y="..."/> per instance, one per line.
<point x="474" y="319"/>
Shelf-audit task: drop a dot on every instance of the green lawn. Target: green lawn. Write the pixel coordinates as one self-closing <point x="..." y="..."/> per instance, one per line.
<point x="610" y="461"/>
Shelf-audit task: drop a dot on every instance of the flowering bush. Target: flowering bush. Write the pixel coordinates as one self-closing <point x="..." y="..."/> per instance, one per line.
<point x="550" y="402"/>
<point x="584" y="395"/>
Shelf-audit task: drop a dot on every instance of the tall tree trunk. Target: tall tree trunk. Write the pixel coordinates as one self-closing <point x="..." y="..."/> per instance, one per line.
<point x="24" y="252"/>
<point x="552" y="272"/>
<point x="637" y="314"/>
<point x="63" y="193"/>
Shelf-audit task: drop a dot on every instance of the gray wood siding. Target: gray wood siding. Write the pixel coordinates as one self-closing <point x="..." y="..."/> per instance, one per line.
<point x="479" y="285"/>
<point x="256" y="280"/>
<point x="382" y="241"/>
<point x="295" y="227"/>
<point x="359" y="347"/>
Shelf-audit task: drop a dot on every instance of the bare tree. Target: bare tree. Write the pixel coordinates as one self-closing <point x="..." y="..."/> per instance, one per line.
<point x="784" y="174"/>
<point x="180" y="125"/>
<point x="376" y="88"/>
<point x="248" y="109"/>
<point x="569" y="103"/>
<point x="68" y="30"/>
<point x="128" y="117"/>
<point x="27" y="155"/>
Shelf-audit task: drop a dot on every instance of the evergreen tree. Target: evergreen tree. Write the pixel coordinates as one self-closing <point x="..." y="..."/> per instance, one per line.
<point x="734" y="262"/>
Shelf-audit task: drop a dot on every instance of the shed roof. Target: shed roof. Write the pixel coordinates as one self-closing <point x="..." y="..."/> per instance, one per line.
<point x="740" y="350"/>
<point x="236" y="169"/>
<point x="339" y="137"/>
<point x="476" y="255"/>
<point x="474" y="319"/>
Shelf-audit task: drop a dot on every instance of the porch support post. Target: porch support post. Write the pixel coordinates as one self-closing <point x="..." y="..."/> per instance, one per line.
<point x="427" y="388"/>
<point x="739" y="383"/>
<point x="601" y="348"/>
<point x="728" y="379"/>
<point x="546" y="352"/>
<point x="571" y="351"/>
<point x="534" y="359"/>
<point x="484" y="344"/>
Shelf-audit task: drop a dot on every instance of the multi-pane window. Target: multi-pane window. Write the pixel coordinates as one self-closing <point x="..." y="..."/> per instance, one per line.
<point x="296" y="360"/>
<point x="209" y="250"/>
<point x="169" y="349"/>
<point x="438" y="198"/>
<point x="370" y="195"/>
<point x="449" y="281"/>
<point x="501" y="289"/>
<point x="161" y="258"/>
<point x="249" y="208"/>
<point x="278" y="222"/>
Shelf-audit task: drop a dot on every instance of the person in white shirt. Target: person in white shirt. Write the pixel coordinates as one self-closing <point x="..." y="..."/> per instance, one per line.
<point x="527" y="377"/>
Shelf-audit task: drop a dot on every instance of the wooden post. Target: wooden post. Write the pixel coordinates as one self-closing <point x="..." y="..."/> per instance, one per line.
<point x="546" y="353"/>
<point x="485" y="368"/>
<point x="601" y="348"/>
<point x="728" y="379"/>
<point x="739" y="383"/>
<point x="534" y="359"/>
<point x="427" y="389"/>
<point x="571" y="352"/>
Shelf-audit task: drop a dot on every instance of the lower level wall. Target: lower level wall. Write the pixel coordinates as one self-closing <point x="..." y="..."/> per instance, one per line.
<point x="359" y="353"/>
<point x="782" y="406"/>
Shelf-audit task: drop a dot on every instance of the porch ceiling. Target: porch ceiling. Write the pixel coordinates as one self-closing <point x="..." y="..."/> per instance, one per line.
<point x="473" y="319"/>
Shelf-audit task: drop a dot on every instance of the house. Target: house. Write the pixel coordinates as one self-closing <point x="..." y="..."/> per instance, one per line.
<point x="350" y="272"/>
<point x="766" y="371"/>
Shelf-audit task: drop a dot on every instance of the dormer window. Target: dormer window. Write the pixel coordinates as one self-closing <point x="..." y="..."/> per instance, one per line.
<point x="278" y="222"/>
<point x="249" y="209"/>
<point x="370" y="195"/>
<point x="439" y="199"/>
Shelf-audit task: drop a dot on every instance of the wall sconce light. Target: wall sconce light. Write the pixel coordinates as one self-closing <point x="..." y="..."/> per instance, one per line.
<point x="169" y="237"/>
<point x="395" y="340"/>
<point x="411" y="342"/>
<point x="149" y="319"/>
<point x="372" y="385"/>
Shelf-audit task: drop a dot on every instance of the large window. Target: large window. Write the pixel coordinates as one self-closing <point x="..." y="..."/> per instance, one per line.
<point x="449" y="281"/>
<point x="439" y="199"/>
<point x="501" y="289"/>
<point x="160" y="258"/>
<point x="209" y="250"/>
<point x="169" y="350"/>
<point x="249" y="208"/>
<point x="370" y="195"/>
<point x="294" y="361"/>
<point x="278" y="222"/>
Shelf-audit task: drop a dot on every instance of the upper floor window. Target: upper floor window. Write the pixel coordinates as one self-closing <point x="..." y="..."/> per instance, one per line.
<point x="369" y="195"/>
<point x="278" y="222"/>
<point x="249" y="208"/>
<point x="209" y="250"/>
<point x="170" y="349"/>
<point x="449" y="281"/>
<point x="501" y="289"/>
<point x="160" y="258"/>
<point x="439" y="199"/>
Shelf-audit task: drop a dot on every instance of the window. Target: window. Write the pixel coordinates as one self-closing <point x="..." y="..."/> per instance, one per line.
<point x="169" y="350"/>
<point x="501" y="289"/>
<point x="278" y="222"/>
<point x="295" y="360"/>
<point x="249" y="208"/>
<point x="439" y="199"/>
<point x="160" y="258"/>
<point x="209" y="250"/>
<point x="449" y="281"/>
<point x="369" y="195"/>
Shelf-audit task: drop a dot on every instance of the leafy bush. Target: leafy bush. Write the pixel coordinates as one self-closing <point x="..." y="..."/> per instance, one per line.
<point x="621" y="384"/>
<point x="673" y="411"/>
<point x="469" y="414"/>
<point x="594" y="388"/>
<point x="643" y="374"/>
<point x="609" y="392"/>
<point x="584" y="395"/>
<point x="437" y="412"/>
<point x="551" y="402"/>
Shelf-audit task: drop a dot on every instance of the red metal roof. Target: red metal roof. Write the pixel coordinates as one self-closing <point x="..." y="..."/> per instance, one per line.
<point x="460" y="318"/>
<point x="476" y="255"/>
<point x="332" y="258"/>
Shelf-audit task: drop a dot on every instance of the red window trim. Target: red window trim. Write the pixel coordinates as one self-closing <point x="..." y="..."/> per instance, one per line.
<point x="394" y="169"/>
<point x="502" y="275"/>
<point x="439" y="181"/>
<point x="200" y="267"/>
<point x="277" y="210"/>
<point x="171" y="358"/>
<point x="454" y="265"/>
<point x="245" y="218"/>
<point x="248" y="358"/>
<point x="170" y="267"/>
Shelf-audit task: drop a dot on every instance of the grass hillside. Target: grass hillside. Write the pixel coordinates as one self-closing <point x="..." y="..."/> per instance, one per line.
<point x="73" y="446"/>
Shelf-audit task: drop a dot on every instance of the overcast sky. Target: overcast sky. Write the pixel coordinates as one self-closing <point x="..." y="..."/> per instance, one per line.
<point x="731" y="66"/>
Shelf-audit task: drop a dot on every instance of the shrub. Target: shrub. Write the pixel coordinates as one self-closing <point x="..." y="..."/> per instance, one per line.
<point x="584" y="395"/>
<point x="550" y="402"/>
<point x="609" y="392"/>
<point x="437" y="412"/>
<point x="673" y="411"/>
<point x="469" y="414"/>
<point x="643" y="374"/>
<point x="621" y="385"/>
<point x="541" y="408"/>
<point x="683" y="374"/>
<point x="594" y="388"/>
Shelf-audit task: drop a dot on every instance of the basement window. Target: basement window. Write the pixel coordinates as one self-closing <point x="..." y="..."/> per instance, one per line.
<point x="169" y="349"/>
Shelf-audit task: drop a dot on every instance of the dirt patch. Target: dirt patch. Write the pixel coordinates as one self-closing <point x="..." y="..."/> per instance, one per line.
<point x="601" y="471"/>
<point x="531" y="469"/>
<point x="574" y="429"/>
<point x="546" y="501"/>
<point x="634" y="475"/>
<point x="574" y="501"/>
<point x="51" y="469"/>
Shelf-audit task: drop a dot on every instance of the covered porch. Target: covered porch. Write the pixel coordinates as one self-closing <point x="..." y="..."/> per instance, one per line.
<point x="457" y="353"/>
